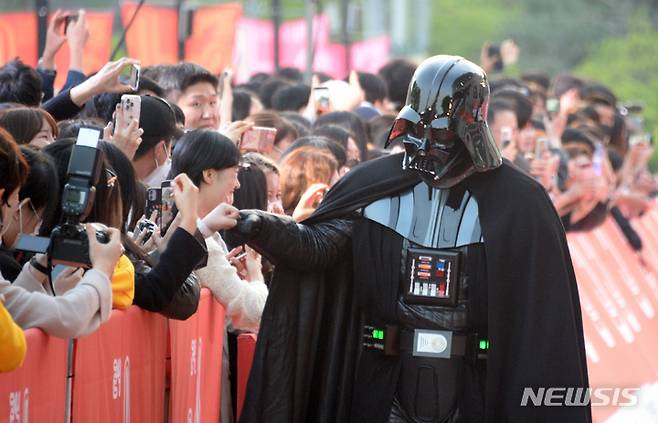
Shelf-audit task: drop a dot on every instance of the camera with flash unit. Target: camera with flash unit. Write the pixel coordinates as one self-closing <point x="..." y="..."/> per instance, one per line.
<point x="69" y="244"/>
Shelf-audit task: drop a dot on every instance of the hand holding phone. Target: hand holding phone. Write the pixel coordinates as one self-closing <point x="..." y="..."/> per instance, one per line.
<point x="541" y="145"/>
<point x="125" y="132"/>
<point x="259" y="139"/>
<point x="130" y="76"/>
<point x="322" y="100"/>
<point x="167" y="206"/>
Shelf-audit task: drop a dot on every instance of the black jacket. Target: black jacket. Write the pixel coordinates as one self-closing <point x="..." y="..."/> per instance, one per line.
<point x="155" y="288"/>
<point x="309" y="340"/>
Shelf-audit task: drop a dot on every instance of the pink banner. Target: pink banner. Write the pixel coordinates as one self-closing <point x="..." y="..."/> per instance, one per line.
<point x="371" y="54"/>
<point x="254" y="49"/>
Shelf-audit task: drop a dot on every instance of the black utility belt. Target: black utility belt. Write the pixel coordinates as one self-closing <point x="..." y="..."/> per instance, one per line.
<point x="392" y="340"/>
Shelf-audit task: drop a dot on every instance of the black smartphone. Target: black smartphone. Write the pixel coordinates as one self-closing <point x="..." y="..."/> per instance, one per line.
<point x="494" y="53"/>
<point x="153" y="203"/>
<point x="148" y="227"/>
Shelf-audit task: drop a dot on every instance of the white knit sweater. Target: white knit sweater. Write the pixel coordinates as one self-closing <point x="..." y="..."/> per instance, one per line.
<point x="243" y="300"/>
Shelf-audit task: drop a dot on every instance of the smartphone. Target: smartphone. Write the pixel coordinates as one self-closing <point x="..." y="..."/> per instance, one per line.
<point x="321" y="99"/>
<point x="153" y="203"/>
<point x="493" y="52"/>
<point x="259" y="139"/>
<point x="552" y="105"/>
<point x="32" y="244"/>
<point x="130" y="76"/>
<point x="131" y="107"/>
<point x="167" y="206"/>
<point x="541" y="145"/>
<point x="636" y="139"/>
<point x="69" y="20"/>
<point x="148" y="227"/>
<point x="55" y="272"/>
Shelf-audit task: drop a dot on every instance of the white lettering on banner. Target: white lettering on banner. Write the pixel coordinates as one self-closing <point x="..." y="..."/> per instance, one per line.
<point x="14" y="407"/>
<point x="116" y="378"/>
<point x="26" y="405"/>
<point x="195" y="370"/>
<point x="15" y="403"/>
<point x="117" y="369"/>
<point x="126" y="390"/>
<point x="198" y="385"/>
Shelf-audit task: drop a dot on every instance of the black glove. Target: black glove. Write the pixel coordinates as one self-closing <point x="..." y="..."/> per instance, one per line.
<point x="249" y="226"/>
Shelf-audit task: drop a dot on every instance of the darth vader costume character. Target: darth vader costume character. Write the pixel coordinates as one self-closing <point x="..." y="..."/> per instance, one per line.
<point x="429" y="286"/>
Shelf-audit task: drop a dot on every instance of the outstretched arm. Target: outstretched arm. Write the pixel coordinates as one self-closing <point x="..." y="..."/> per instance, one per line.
<point x="298" y="246"/>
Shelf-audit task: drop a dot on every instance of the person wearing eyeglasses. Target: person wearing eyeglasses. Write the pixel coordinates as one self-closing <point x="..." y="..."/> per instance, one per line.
<point x="37" y="201"/>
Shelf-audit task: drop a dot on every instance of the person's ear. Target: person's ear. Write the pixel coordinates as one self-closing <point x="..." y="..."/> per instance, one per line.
<point x="159" y="152"/>
<point x="208" y="176"/>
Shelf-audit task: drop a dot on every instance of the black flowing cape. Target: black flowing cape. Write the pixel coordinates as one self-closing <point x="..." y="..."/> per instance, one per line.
<point x="309" y="339"/>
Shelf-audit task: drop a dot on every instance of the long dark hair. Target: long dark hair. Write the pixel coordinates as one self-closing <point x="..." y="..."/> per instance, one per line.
<point x="107" y="208"/>
<point x="252" y="193"/>
<point x="42" y="185"/>
<point x="133" y="194"/>
<point x="352" y="123"/>
<point x="200" y="150"/>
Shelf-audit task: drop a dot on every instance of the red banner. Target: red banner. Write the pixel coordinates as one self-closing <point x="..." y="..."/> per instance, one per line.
<point x="19" y="37"/>
<point x="37" y="391"/>
<point x="196" y="363"/>
<point x="153" y="36"/>
<point x="246" y="349"/>
<point x="120" y="370"/>
<point x="213" y="36"/>
<point x="97" y="50"/>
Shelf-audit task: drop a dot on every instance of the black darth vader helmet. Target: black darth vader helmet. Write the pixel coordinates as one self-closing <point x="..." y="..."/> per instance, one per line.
<point x="443" y="125"/>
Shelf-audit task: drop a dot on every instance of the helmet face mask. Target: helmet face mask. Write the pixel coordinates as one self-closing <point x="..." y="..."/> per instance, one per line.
<point x="443" y="124"/>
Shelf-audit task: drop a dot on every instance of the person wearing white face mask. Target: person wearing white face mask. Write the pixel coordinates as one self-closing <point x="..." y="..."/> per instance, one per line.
<point x="152" y="160"/>
<point x="37" y="201"/>
<point x="81" y="309"/>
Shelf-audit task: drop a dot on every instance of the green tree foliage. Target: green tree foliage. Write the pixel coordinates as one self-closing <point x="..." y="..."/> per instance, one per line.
<point x="629" y="65"/>
<point x="461" y="26"/>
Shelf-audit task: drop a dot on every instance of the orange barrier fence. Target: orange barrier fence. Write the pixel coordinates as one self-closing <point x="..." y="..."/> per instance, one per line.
<point x="246" y="349"/>
<point x="619" y="301"/>
<point x="196" y="363"/>
<point x="37" y="391"/>
<point x="119" y="370"/>
<point x="117" y="374"/>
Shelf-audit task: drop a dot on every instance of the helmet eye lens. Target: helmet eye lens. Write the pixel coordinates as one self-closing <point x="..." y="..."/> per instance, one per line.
<point x="443" y="138"/>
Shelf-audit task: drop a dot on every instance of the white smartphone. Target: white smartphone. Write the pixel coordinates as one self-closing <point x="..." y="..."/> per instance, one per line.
<point x="131" y="106"/>
<point x="130" y="76"/>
